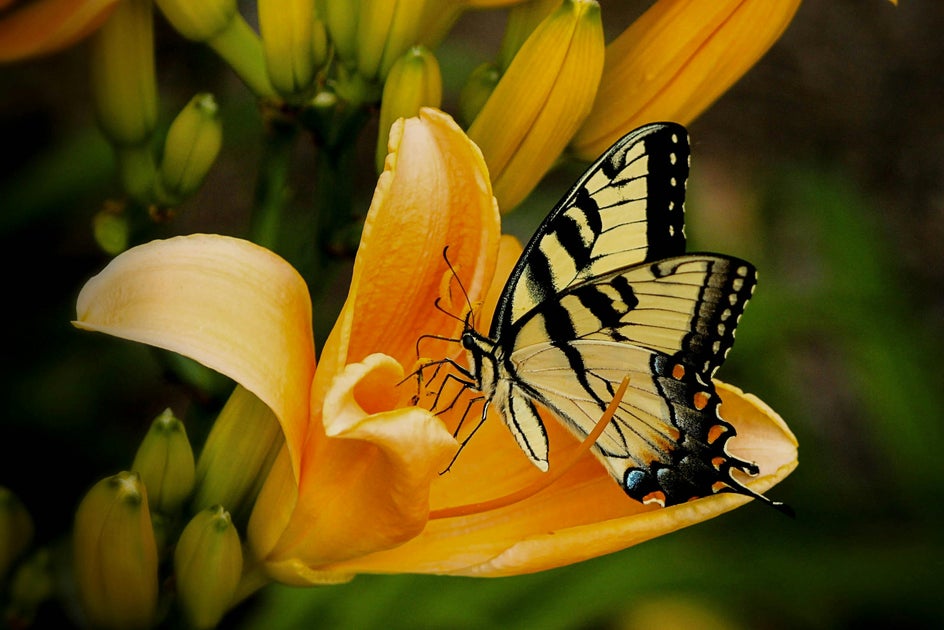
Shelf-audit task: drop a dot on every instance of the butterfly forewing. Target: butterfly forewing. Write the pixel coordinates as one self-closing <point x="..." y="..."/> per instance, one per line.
<point x="626" y="209"/>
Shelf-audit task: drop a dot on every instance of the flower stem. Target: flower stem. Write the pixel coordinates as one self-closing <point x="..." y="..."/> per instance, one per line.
<point x="270" y="194"/>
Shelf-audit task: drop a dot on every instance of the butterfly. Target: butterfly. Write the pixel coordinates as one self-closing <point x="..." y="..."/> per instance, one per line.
<point x="603" y="289"/>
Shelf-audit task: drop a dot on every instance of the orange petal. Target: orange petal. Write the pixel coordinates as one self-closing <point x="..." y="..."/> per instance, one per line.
<point x="583" y="515"/>
<point x="433" y="194"/>
<point x="365" y="483"/>
<point x="229" y="304"/>
<point x="46" y="26"/>
<point x="675" y="61"/>
<point x="509" y="251"/>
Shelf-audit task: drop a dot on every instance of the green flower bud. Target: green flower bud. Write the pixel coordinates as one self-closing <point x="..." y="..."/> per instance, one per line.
<point x="111" y="229"/>
<point x="32" y="585"/>
<point x="414" y="82"/>
<point x="238" y="453"/>
<point x="287" y="28"/>
<point x="477" y="89"/>
<point x="16" y="530"/>
<point x="165" y="462"/>
<point x="340" y="18"/>
<point x="198" y="21"/>
<point x="124" y="87"/>
<point x="192" y="144"/>
<point x="208" y="564"/>
<point x="218" y="24"/>
<point x="115" y="556"/>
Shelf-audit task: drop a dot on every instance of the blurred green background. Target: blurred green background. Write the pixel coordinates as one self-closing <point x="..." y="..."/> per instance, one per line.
<point x="824" y="166"/>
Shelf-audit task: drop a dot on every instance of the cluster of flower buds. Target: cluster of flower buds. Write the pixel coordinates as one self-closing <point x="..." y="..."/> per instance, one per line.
<point x="161" y="517"/>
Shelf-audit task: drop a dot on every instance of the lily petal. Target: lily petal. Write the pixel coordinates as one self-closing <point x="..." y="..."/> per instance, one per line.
<point x="434" y="195"/>
<point x="229" y="304"/>
<point x="47" y="26"/>
<point x="364" y="484"/>
<point x="583" y="515"/>
<point x="675" y="61"/>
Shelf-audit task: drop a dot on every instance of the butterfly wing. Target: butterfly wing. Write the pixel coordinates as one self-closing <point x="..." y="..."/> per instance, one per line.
<point x="626" y="209"/>
<point x="604" y="289"/>
<point x="668" y="325"/>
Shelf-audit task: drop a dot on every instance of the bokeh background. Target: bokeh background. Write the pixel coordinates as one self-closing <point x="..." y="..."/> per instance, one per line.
<point x="824" y="166"/>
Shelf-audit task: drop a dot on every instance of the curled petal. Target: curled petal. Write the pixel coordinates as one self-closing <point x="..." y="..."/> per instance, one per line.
<point x="433" y="209"/>
<point x="46" y="26"/>
<point x="229" y="304"/>
<point x="583" y="515"/>
<point x="364" y="484"/>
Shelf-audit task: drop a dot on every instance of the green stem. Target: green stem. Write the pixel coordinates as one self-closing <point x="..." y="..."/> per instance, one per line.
<point x="270" y="195"/>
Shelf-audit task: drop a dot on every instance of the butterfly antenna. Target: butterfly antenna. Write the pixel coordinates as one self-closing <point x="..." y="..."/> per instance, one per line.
<point x="465" y="294"/>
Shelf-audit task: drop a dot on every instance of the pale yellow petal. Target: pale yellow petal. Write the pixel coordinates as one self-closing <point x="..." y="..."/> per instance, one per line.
<point x="227" y="303"/>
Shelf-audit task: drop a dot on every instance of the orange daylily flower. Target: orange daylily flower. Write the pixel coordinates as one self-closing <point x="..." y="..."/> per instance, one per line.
<point x="357" y="487"/>
<point x="675" y="61"/>
<point x="46" y="26"/>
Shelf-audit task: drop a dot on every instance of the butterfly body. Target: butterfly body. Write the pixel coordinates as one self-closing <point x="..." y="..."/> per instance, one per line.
<point x="604" y="289"/>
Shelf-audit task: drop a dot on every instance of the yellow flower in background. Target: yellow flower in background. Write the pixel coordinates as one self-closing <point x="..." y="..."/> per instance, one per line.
<point x="675" y="61"/>
<point x="357" y="486"/>
<point x="541" y="100"/>
<point x="47" y="26"/>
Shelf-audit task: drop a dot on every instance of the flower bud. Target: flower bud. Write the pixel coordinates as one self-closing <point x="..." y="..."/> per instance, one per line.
<point x="115" y="556"/>
<point x="651" y="76"/>
<point x="111" y="228"/>
<point x="238" y="453"/>
<point x="287" y="28"/>
<point x="414" y="82"/>
<point x="165" y="463"/>
<point x="218" y="24"/>
<point x="541" y="100"/>
<point x="124" y="86"/>
<point x="476" y="91"/>
<point x="32" y="584"/>
<point x="340" y="18"/>
<point x="192" y="144"/>
<point x="208" y="564"/>
<point x="523" y="18"/>
<point x="16" y="530"/>
<point x="198" y="21"/>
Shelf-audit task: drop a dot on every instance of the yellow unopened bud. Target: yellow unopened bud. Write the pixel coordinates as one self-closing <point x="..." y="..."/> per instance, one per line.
<point x="165" y="462"/>
<point x="523" y="18"/>
<point x="541" y="100"/>
<point x="675" y="60"/>
<point x="414" y="81"/>
<point x="340" y="18"/>
<point x="124" y="87"/>
<point x="199" y="21"/>
<point x="477" y="90"/>
<point x="192" y="144"/>
<point x="287" y="28"/>
<point x="115" y="556"/>
<point x="238" y="453"/>
<point x="219" y="25"/>
<point x="16" y="530"/>
<point x="32" y="585"/>
<point x="208" y="563"/>
<point x="386" y="30"/>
